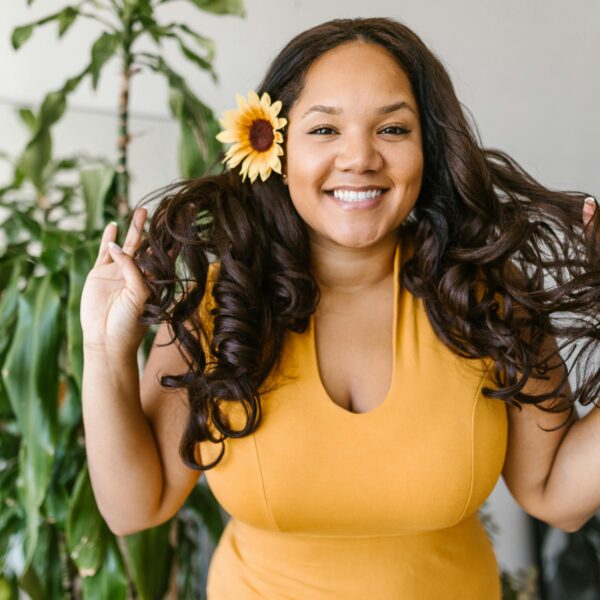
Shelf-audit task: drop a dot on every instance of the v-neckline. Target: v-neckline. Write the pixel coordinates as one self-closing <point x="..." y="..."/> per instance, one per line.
<point x="314" y="358"/>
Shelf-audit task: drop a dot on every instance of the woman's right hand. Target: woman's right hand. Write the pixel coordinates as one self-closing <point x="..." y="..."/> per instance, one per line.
<point x="115" y="292"/>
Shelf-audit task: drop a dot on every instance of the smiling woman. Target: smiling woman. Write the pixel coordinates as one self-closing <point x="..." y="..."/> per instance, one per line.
<point x="370" y="349"/>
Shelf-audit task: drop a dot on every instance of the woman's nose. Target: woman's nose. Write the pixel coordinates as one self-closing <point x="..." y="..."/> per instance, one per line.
<point x="358" y="153"/>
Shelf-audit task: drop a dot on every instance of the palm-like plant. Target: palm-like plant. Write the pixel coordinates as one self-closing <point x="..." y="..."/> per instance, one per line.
<point x="53" y="541"/>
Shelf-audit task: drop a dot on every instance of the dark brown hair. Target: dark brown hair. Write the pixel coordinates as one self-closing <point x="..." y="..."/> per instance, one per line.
<point x="486" y="233"/>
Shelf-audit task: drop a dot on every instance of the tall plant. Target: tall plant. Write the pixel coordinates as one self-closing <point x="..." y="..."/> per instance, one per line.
<point x="53" y="541"/>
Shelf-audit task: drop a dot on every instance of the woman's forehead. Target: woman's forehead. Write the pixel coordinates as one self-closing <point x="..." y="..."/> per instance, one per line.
<point x="364" y="73"/>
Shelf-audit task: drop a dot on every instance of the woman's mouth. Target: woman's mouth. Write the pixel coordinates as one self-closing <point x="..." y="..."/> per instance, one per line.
<point x="363" y="200"/>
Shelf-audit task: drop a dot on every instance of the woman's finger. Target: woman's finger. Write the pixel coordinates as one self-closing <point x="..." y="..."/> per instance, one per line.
<point x="109" y="234"/>
<point x="589" y="208"/>
<point x="134" y="234"/>
<point x="132" y="275"/>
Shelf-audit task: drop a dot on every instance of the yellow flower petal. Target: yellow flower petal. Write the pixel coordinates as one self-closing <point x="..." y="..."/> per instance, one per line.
<point x="254" y="167"/>
<point x="265" y="171"/>
<point x="276" y="108"/>
<point x="242" y="103"/>
<point x="265" y="102"/>
<point x="276" y="166"/>
<point x="227" y="136"/>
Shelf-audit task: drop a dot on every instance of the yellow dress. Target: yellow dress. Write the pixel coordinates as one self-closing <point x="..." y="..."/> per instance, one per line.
<point x="327" y="504"/>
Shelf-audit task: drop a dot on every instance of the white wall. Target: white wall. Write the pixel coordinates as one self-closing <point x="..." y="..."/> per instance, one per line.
<point x="528" y="71"/>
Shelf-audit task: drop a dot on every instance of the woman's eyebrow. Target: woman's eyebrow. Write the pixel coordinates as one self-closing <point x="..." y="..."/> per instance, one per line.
<point x="382" y="110"/>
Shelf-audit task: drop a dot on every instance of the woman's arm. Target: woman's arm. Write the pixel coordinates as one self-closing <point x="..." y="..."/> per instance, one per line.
<point x="536" y="470"/>
<point x="554" y="476"/>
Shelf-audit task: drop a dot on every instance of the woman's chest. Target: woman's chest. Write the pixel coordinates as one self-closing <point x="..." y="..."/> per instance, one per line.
<point x="354" y="351"/>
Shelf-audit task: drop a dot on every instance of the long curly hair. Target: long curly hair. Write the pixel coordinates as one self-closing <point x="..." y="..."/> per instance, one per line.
<point x="486" y="234"/>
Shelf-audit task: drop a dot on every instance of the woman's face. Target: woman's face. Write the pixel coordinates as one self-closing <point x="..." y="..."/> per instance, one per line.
<point x="337" y="138"/>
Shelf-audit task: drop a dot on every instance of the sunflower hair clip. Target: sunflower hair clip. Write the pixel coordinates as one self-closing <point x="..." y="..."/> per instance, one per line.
<point x="254" y="130"/>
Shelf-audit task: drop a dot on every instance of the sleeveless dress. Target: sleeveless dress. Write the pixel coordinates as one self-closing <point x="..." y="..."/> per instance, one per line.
<point x="327" y="504"/>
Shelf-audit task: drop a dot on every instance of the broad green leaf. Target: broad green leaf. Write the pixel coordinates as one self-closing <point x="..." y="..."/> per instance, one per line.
<point x="9" y="295"/>
<point x="28" y="118"/>
<point x="46" y="562"/>
<point x="20" y="35"/>
<point x="97" y="184"/>
<point x="9" y="298"/>
<point x="30" y="377"/>
<point x="87" y="533"/>
<point x="222" y="7"/>
<point x="54" y="255"/>
<point x="66" y="18"/>
<point x="110" y="581"/>
<point x="150" y="546"/>
<point x="102" y="50"/>
<point x="35" y="159"/>
<point x="53" y="108"/>
<point x="198" y="127"/>
<point x="56" y="503"/>
<point x="82" y="261"/>
<point x="196" y="158"/>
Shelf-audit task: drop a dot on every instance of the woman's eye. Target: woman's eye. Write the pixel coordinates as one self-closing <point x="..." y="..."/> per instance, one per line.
<point x="320" y="129"/>
<point x="400" y="130"/>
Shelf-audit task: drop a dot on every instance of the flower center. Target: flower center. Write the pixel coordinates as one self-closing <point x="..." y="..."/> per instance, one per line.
<point x="261" y="135"/>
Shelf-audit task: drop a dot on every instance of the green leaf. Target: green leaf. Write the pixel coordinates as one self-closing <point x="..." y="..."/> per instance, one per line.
<point x="9" y="300"/>
<point x="20" y="35"/>
<point x="82" y="261"/>
<point x="53" y="108"/>
<point x="201" y="62"/>
<point x="9" y="590"/>
<point x="204" y="504"/>
<point x="97" y="184"/>
<point x="35" y="158"/>
<point x="150" y="546"/>
<point x="66" y="18"/>
<point x="102" y="50"/>
<point x="198" y="146"/>
<point x="55" y="254"/>
<point x="202" y="41"/>
<point x="221" y="7"/>
<point x="46" y="563"/>
<point x="110" y="581"/>
<point x="30" y="376"/>
<point x="87" y="533"/>
<point x="26" y="115"/>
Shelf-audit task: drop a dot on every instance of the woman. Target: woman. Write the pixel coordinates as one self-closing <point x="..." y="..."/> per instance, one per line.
<point x="367" y="354"/>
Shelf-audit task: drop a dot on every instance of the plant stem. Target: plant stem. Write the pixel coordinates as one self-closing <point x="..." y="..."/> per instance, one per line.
<point x="123" y="139"/>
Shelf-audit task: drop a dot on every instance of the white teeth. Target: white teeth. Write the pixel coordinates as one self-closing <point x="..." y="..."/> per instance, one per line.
<point x="347" y="196"/>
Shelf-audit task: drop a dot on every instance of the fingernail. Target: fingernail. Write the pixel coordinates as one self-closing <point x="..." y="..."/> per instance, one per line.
<point x="113" y="223"/>
<point x="114" y="246"/>
<point x="590" y="201"/>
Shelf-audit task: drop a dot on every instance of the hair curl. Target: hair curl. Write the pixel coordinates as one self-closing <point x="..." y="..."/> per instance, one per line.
<point x="485" y="233"/>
